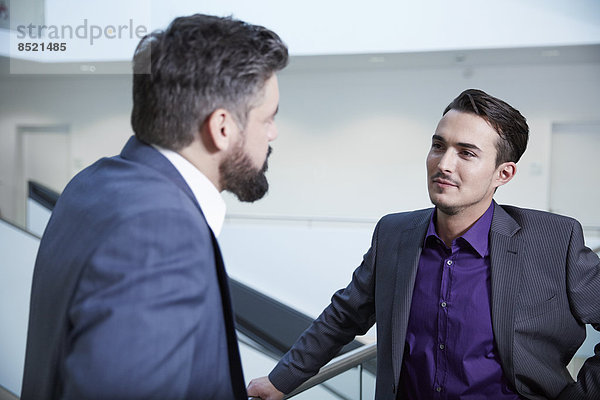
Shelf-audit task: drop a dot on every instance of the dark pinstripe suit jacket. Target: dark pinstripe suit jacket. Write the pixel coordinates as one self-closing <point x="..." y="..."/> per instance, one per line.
<point x="545" y="287"/>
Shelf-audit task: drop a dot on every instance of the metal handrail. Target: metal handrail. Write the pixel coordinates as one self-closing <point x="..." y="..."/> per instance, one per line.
<point x="256" y="346"/>
<point x="337" y="366"/>
<point x="6" y="394"/>
<point x="298" y="218"/>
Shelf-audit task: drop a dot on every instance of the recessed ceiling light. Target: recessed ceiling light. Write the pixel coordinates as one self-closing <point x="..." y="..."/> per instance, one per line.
<point x="550" y="53"/>
<point x="377" y="59"/>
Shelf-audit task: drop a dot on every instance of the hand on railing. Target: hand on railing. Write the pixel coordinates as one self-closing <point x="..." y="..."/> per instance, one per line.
<point x="262" y="388"/>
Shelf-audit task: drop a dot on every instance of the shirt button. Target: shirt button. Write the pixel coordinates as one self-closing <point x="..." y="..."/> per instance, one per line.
<point x="444" y="304"/>
<point x="442" y="347"/>
<point x="438" y="389"/>
<point x="449" y="262"/>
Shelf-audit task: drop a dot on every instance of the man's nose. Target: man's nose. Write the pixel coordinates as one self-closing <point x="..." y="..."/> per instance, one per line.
<point x="447" y="161"/>
<point x="273" y="133"/>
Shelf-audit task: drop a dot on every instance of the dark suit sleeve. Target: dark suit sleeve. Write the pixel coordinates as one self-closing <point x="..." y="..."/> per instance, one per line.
<point x="583" y="280"/>
<point x="351" y="313"/>
<point x="137" y="311"/>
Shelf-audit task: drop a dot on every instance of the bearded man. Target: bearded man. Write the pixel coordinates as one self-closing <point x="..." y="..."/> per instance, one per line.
<point x="130" y="297"/>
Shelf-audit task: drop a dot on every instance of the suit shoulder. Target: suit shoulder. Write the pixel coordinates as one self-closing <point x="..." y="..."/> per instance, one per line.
<point x="406" y="220"/>
<point x="121" y="187"/>
<point x="532" y="216"/>
<point x="541" y="223"/>
<point x="113" y="192"/>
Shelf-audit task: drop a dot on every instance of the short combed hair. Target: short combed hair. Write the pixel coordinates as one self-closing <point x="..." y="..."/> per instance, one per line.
<point x="198" y="64"/>
<point x="507" y="121"/>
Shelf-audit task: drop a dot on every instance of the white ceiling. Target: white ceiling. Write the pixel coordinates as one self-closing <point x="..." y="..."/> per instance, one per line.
<point x="325" y="28"/>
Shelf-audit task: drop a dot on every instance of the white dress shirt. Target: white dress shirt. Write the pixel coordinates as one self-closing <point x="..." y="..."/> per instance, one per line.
<point x="210" y="200"/>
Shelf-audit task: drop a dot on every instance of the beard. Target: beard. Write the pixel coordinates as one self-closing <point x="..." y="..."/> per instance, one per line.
<point x="241" y="178"/>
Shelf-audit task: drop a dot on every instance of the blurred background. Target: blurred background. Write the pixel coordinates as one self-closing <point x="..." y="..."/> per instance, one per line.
<point x="363" y="93"/>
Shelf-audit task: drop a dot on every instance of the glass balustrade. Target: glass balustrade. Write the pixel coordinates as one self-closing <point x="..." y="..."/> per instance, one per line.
<point x="356" y="383"/>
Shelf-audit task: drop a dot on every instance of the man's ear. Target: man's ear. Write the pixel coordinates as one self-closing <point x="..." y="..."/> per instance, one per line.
<point x="221" y="130"/>
<point x="505" y="172"/>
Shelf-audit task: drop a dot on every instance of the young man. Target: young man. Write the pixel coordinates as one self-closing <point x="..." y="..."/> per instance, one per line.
<point x="130" y="297"/>
<point x="473" y="300"/>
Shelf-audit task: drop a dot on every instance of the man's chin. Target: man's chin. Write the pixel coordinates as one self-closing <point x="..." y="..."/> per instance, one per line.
<point x="255" y="189"/>
<point x="444" y="206"/>
<point x="246" y="182"/>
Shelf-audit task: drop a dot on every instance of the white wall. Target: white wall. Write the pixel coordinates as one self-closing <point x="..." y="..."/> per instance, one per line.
<point x="352" y="145"/>
<point x="352" y="142"/>
<point x="97" y="111"/>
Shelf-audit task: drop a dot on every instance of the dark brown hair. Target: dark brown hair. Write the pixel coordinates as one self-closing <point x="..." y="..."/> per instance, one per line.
<point x="507" y="121"/>
<point x="198" y="64"/>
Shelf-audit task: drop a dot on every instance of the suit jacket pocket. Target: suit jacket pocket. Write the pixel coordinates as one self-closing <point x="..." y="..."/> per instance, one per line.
<point x="530" y="311"/>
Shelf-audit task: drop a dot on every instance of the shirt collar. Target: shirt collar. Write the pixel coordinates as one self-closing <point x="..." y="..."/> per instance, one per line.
<point x="210" y="200"/>
<point x="477" y="236"/>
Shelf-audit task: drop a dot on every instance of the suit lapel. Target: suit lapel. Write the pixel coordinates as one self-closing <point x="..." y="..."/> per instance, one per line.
<point x="506" y="252"/>
<point x="409" y="247"/>
<point x="142" y="153"/>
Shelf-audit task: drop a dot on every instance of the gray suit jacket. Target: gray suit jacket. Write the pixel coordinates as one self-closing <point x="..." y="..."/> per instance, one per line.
<point x="545" y="287"/>
<point x="130" y="298"/>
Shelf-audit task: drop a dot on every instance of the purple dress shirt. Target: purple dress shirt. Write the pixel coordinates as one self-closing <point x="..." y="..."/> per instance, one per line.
<point x="450" y="350"/>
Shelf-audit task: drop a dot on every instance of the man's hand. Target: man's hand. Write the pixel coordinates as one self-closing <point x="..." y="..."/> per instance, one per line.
<point x="264" y="389"/>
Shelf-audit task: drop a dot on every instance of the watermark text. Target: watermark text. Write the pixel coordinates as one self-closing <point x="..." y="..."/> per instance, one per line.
<point x="85" y="30"/>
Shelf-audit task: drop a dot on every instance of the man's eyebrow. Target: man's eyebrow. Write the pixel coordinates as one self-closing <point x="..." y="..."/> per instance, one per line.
<point x="468" y="146"/>
<point x="460" y="144"/>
